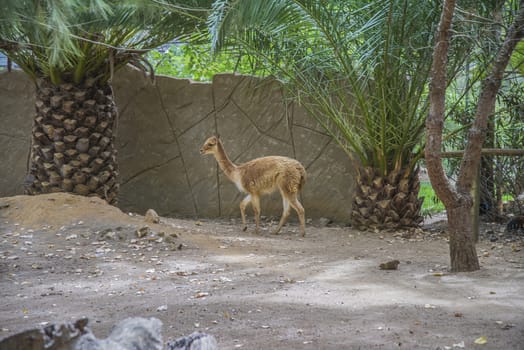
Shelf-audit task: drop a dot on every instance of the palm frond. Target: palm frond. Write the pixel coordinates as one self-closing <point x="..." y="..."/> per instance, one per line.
<point x="360" y="68"/>
<point x="64" y="38"/>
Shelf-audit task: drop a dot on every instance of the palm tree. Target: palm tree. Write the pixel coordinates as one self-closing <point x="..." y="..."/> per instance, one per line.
<point x="71" y="50"/>
<point x="361" y="69"/>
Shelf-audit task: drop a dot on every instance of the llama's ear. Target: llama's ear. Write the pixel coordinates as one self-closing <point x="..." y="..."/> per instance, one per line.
<point x="218" y="136"/>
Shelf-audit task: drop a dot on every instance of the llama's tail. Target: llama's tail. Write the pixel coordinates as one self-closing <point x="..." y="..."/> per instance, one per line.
<point x="302" y="178"/>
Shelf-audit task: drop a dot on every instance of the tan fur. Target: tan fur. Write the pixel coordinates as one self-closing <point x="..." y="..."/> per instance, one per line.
<point x="262" y="176"/>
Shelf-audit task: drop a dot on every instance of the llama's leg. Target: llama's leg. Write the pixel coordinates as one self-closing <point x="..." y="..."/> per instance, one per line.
<point x="255" y="202"/>
<point x="286" y="209"/>
<point x="293" y="201"/>
<point x="245" y="202"/>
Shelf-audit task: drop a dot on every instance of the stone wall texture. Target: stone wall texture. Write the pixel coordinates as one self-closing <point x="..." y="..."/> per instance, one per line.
<point x="161" y="128"/>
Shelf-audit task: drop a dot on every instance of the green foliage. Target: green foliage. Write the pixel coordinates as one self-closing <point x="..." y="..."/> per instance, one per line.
<point x="195" y="61"/>
<point x="360" y="68"/>
<point x="517" y="58"/>
<point x="509" y="120"/>
<point x="69" y="40"/>
<point x="432" y="204"/>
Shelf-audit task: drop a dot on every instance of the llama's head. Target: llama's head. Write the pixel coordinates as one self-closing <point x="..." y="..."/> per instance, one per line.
<point x="210" y="146"/>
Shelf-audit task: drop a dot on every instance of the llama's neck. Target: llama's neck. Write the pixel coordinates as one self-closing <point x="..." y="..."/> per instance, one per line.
<point x="227" y="166"/>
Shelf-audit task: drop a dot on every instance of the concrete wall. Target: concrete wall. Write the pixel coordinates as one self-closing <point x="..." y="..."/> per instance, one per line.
<point x="16" y="118"/>
<point x="161" y="129"/>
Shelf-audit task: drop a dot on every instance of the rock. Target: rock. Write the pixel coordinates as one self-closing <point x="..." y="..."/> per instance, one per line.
<point x="111" y="234"/>
<point x="152" y="217"/>
<point x="195" y="341"/>
<point x="143" y="231"/>
<point x="135" y="333"/>
<point x="323" y="222"/>
<point x="161" y="308"/>
<point x="53" y="337"/>
<point x="390" y="265"/>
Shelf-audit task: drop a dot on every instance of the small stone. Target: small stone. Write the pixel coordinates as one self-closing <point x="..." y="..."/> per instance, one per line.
<point x="390" y="265"/>
<point x="110" y="235"/>
<point x="152" y="217"/>
<point x="323" y="222"/>
<point x="143" y="231"/>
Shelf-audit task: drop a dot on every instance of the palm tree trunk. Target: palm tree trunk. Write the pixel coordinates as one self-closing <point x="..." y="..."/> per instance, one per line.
<point x="73" y="141"/>
<point x="387" y="202"/>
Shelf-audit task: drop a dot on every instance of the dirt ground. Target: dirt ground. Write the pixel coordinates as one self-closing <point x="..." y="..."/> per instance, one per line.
<point x="63" y="257"/>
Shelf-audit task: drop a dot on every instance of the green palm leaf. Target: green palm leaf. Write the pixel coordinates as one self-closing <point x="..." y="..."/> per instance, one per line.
<point x="72" y="39"/>
<point x="360" y="67"/>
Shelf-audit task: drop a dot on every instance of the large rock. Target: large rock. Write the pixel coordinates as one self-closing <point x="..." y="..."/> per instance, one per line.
<point x="134" y="333"/>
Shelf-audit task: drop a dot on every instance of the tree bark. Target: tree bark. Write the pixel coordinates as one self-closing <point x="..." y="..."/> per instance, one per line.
<point x="387" y="202"/>
<point x="435" y="121"/>
<point x="462" y="238"/>
<point x="73" y="141"/>
<point x="462" y="246"/>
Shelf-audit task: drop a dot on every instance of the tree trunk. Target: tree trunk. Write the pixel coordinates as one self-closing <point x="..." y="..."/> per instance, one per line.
<point x="458" y="204"/>
<point x="73" y="142"/>
<point x="462" y="239"/>
<point x="387" y="202"/>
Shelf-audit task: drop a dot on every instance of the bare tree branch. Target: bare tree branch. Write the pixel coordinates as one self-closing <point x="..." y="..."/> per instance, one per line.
<point x="435" y="121"/>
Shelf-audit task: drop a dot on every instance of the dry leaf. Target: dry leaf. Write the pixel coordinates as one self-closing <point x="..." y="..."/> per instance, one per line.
<point x="482" y="340"/>
<point x="201" y="295"/>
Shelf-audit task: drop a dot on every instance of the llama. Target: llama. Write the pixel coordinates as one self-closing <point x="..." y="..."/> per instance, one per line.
<point x="262" y="176"/>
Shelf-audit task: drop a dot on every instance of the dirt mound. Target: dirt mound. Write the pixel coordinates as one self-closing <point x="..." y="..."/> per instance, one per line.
<point x="59" y="209"/>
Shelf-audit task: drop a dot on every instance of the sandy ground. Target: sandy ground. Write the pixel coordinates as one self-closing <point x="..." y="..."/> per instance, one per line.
<point x="63" y="257"/>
